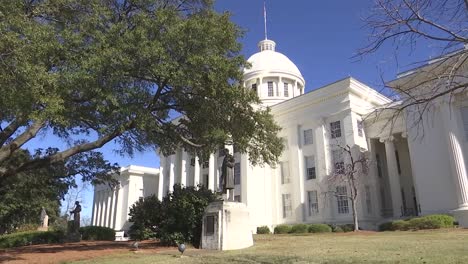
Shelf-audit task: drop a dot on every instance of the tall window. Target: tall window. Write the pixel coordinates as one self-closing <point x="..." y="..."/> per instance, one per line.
<point x="308" y="136"/>
<point x="398" y="161"/>
<point x="464" y="114"/>
<point x="254" y="87"/>
<point x="342" y="200"/>
<point x="313" y="202"/>
<point x="286" y="90"/>
<point x="237" y="173"/>
<point x="338" y="161"/>
<point x="270" y="89"/>
<point x="360" y="128"/>
<point x="379" y="165"/>
<point x="206" y="180"/>
<point x="285" y="172"/>
<point x="310" y="168"/>
<point x="335" y="129"/>
<point x="368" y="199"/>
<point x="287" y="206"/>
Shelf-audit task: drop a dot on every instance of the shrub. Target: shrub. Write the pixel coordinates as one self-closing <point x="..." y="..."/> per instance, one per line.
<point x="282" y="229"/>
<point x="337" y="229"/>
<point x="299" y="229"/>
<point x="319" y="228"/>
<point x="31" y="238"/>
<point x="26" y="228"/>
<point x="263" y="230"/>
<point x="445" y="221"/>
<point x="97" y="233"/>
<point x="347" y="227"/>
<point x="401" y="225"/>
<point x="177" y="218"/>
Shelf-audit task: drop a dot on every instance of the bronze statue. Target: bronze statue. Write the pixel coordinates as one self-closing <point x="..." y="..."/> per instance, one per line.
<point x="76" y="216"/>
<point x="227" y="173"/>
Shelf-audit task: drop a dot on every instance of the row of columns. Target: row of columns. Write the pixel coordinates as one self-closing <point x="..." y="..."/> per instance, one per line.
<point x="104" y="208"/>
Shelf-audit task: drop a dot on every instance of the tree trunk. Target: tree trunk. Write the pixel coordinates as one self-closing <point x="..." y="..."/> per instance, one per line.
<point x="355" y="216"/>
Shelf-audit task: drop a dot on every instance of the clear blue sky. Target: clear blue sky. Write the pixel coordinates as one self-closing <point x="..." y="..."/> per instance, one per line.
<point x="321" y="37"/>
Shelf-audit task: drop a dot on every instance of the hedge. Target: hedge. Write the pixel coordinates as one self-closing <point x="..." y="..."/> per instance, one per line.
<point x="419" y="223"/>
<point x="31" y="238"/>
<point x="282" y="229"/>
<point x="263" y="230"/>
<point x="299" y="229"/>
<point x="97" y="233"/>
<point x="319" y="228"/>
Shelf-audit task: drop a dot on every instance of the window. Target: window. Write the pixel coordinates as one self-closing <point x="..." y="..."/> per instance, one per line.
<point x="464" y="114"/>
<point x="360" y="128"/>
<point x="287" y="207"/>
<point x="237" y="198"/>
<point x="308" y="136"/>
<point x="286" y="90"/>
<point x="254" y="87"/>
<point x="192" y="162"/>
<point x="335" y="129"/>
<point x="285" y="172"/>
<point x="398" y="161"/>
<point x="237" y="173"/>
<point x="368" y="199"/>
<point x="285" y="143"/>
<point x="379" y="165"/>
<point x="313" y="202"/>
<point x="270" y="89"/>
<point x="206" y="180"/>
<point x="310" y="168"/>
<point x="342" y="200"/>
<point x="338" y="161"/>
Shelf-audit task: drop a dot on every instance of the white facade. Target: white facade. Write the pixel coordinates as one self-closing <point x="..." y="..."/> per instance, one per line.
<point x="408" y="176"/>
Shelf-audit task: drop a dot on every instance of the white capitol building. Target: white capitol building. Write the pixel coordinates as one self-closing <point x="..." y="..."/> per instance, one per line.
<point x="408" y="175"/>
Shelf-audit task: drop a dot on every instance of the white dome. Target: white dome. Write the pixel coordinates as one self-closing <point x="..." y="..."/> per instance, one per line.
<point x="268" y="60"/>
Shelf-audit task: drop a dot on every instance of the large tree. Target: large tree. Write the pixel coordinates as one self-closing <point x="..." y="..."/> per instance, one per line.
<point x="95" y="71"/>
<point x="415" y="25"/>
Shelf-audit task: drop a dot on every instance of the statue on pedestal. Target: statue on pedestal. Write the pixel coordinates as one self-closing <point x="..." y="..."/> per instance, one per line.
<point x="44" y="221"/>
<point x="76" y="217"/>
<point x="227" y="173"/>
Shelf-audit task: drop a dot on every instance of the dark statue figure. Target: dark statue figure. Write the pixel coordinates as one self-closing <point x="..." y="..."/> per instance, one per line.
<point x="227" y="172"/>
<point x="76" y="216"/>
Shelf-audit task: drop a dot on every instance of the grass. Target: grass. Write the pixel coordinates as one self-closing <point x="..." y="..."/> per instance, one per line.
<point x="440" y="246"/>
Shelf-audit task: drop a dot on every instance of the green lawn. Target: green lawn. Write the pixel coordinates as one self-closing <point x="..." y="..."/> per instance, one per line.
<point x="441" y="246"/>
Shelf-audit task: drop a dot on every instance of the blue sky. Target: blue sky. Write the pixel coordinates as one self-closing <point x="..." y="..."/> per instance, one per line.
<point x="320" y="37"/>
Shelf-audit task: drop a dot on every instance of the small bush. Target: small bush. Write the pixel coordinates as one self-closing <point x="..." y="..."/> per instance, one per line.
<point x="97" y="233"/>
<point x="445" y="221"/>
<point x="347" y="227"/>
<point x="401" y="225"/>
<point x="282" y="229"/>
<point x="338" y="229"/>
<point x="319" y="228"/>
<point x="31" y="238"/>
<point x="299" y="229"/>
<point x="263" y="230"/>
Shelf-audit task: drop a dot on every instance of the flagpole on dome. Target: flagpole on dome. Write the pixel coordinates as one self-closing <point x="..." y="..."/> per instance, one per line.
<point x="265" y="19"/>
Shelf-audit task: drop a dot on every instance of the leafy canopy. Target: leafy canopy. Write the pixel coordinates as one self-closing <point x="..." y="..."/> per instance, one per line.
<point x="95" y="71"/>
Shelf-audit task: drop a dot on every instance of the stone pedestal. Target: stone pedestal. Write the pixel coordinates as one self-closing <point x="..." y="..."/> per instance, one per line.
<point x="461" y="215"/>
<point x="226" y="226"/>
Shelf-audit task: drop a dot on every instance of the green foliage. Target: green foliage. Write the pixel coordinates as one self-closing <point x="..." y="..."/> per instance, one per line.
<point x="31" y="238"/>
<point x="176" y="219"/>
<point x="97" y="233"/>
<point x="282" y="229"/>
<point x="319" y="228"/>
<point x="263" y="230"/>
<point x="91" y="72"/>
<point x="299" y="229"/>
<point x="419" y="223"/>
<point x="337" y="229"/>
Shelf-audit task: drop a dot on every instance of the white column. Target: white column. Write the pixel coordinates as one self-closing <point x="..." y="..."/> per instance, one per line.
<point x="118" y="208"/>
<point x="393" y="178"/>
<point x="108" y="208"/>
<point x="183" y="168"/>
<point x="196" y="173"/>
<point x="94" y="208"/>
<point x="162" y="164"/>
<point x="112" y="216"/>
<point x="103" y="208"/>
<point x="457" y="162"/>
<point x="172" y="159"/>
<point x="211" y="172"/>
<point x="99" y="211"/>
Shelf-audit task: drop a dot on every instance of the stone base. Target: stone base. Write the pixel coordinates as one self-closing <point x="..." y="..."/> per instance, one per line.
<point x="226" y="226"/>
<point x="461" y="215"/>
